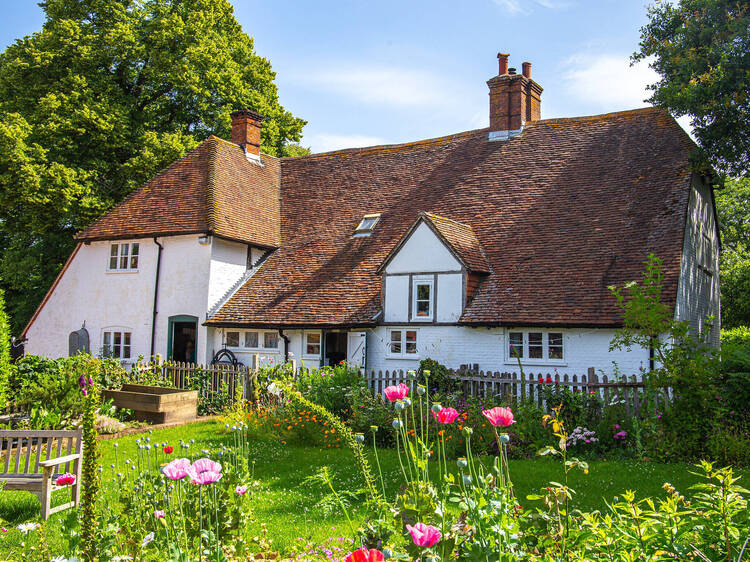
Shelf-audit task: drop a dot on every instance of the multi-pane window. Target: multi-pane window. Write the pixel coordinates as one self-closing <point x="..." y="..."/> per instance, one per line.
<point x="535" y="345"/>
<point x="123" y="257"/>
<point x="422" y="298"/>
<point x="233" y="339"/>
<point x="515" y="345"/>
<point x="312" y="343"/>
<point x="403" y="343"/>
<point x="251" y="339"/>
<point x="116" y="344"/>
<point x="367" y="225"/>
<point x="270" y="340"/>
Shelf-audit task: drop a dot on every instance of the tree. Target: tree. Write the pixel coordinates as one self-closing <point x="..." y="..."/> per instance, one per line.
<point x="104" y="96"/>
<point x="4" y="352"/>
<point x="701" y="50"/>
<point x="733" y="206"/>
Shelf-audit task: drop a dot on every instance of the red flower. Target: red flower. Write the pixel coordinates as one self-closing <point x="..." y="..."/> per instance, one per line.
<point x="446" y="415"/>
<point x="168" y="449"/>
<point x="398" y="392"/>
<point x="541" y="380"/>
<point x="364" y="555"/>
<point x="549" y="379"/>
<point x="66" y="479"/>
<point x="499" y="416"/>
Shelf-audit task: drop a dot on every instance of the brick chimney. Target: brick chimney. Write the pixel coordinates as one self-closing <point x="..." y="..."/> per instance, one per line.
<point x="246" y="126"/>
<point x="515" y="99"/>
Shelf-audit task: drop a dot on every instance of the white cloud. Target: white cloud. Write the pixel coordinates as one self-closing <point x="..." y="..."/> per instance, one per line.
<point x="607" y="81"/>
<point x="526" y="6"/>
<point x="324" y="142"/>
<point x="391" y="86"/>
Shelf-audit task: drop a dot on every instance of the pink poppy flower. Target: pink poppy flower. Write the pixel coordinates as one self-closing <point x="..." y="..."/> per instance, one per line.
<point x="66" y="479"/>
<point x="424" y="535"/>
<point x="446" y="415"/>
<point x="364" y="555"/>
<point x="177" y="469"/>
<point x="241" y="490"/>
<point x="498" y="416"/>
<point x="204" y="471"/>
<point x="159" y="513"/>
<point x="398" y="392"/>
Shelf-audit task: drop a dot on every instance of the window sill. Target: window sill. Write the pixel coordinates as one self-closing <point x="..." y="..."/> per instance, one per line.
<point x="118" y="271"/>
<point x="420" y="320"/>
<point x="403" y="357"/>
<point x="538" y="362"/>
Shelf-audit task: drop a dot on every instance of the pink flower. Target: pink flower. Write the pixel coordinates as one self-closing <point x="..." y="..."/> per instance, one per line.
<point x="241" y="490"/>
<point x="398" y="392"/>
<point x="446" y="415"/>
<point x="364" y="555"/>
<point x="66" y="479"/>
<point x="621" y="434"/>
<point x="158" y="513"/>
<point x="498" y="416"/>
<point x="177" y="469"/>
<point x="3" y="529"/>
<point x="204" y="471"/>
<point x="424" y="535"/>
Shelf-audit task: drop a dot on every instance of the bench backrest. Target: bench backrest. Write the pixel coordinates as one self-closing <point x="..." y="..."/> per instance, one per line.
<point x="21" y="451"/>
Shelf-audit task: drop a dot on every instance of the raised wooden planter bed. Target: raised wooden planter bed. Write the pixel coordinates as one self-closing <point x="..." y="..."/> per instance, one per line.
<point x="156" y="404"/>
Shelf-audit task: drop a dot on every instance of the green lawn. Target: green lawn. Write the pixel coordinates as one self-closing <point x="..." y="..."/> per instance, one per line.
<point x="286" y="504"/>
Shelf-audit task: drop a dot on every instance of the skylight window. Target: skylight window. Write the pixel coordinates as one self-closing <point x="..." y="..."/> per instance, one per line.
<point x="367" y="225"/>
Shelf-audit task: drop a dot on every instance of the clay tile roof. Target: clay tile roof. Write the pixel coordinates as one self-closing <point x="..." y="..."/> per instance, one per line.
<point x="562" y="211"/>
<point x="462" y="240"/>
<point x="212" y="189"/>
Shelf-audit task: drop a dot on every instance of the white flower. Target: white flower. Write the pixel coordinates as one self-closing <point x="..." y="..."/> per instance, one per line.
<point x="26" y="527"/>
<point x="147" y="539"/>
<point x="121" y="557"/>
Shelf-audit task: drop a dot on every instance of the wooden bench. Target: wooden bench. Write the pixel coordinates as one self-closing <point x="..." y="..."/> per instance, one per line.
<point x="33" y="460"/>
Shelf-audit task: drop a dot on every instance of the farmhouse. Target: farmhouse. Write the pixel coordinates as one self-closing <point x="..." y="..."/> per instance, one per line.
<point x="454" y="248"/>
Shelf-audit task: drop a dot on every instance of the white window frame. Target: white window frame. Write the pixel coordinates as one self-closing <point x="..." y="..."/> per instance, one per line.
<point x="362" y="228"/>
<point x="264" y="332"/>
<point x="403" y="354"/>
<point x="525" y="359"/>
<point x="244" y="339"/>
<point x="109" y="334"/>
<point x="415" y="283"/>
<point x="128" y="256"/>
<point x="239" y="339"/>
<point x="305" y="343"/>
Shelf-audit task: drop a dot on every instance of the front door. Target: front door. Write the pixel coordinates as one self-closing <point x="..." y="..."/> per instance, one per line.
<point x="335" y="348"/>
<point x="182" y="338"/>
<point x="357" y="349"/>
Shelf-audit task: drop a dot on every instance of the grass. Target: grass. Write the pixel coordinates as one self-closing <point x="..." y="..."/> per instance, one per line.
<point x="289" y="507"/>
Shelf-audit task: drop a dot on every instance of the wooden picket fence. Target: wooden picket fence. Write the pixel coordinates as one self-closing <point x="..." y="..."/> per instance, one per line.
<point x="233" y="382"/>
<point x="626" y="391"/>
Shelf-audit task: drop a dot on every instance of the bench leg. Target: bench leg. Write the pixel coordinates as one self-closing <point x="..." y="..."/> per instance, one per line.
<point x="77" y="485"/>
<point x="46" y="495"/>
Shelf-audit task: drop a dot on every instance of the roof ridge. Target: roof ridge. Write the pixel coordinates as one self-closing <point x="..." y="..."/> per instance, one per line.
<point x="597" y="117"/>
<point x="213" y="150"/>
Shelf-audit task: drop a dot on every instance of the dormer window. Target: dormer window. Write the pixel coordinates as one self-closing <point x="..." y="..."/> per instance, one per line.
<point x="367" y="225"/>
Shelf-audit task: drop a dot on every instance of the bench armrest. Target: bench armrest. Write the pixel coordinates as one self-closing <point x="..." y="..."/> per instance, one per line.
<point x="59" y="460"/>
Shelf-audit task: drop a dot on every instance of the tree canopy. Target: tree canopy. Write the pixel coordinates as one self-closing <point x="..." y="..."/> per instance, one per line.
<point x="701" y="50"/>
<point x="733" y="205"/>
<point x="104" y="96"/>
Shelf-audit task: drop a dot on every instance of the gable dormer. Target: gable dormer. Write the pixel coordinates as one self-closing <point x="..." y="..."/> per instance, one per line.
<point x="429" y="277"/>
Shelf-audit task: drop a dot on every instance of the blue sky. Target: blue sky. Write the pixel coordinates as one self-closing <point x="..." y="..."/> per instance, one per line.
<point x="373" y="72"/>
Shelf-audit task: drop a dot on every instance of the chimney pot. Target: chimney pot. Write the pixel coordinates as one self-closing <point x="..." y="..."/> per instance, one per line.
<point x="526" y="69"/>
<point x="246" y="126"/>
<point x="503" y="63"/>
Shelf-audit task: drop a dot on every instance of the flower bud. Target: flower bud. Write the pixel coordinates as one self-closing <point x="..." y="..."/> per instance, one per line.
<point x="468" y="431"/>
<point x="467" y="479"/>
<point x="399" y="406"/>
<point x="462" y="463"/>
<point x="504" y="438"/>
<point x="397" y="424"/>
<point x="421" y="390"/>
<point x="387" y="553"/>
<point x="407" y="401"/>
<point x="426" y="373"/>
<point x="436" y="407"/>
<point x="373" y="428"/>
<point x="359" y="438"/>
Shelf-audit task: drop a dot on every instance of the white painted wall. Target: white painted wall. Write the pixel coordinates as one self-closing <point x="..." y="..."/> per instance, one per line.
<point x="396" y="298"/>
<point x="267" y="357"/>
<point x="228" y="265"/>
<point x="449" y="296"/>
<point x="88" y="293"/>
<point x="423" y="252"/>
<point x="454" y="346"/>
<point x="698" y="289"/>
